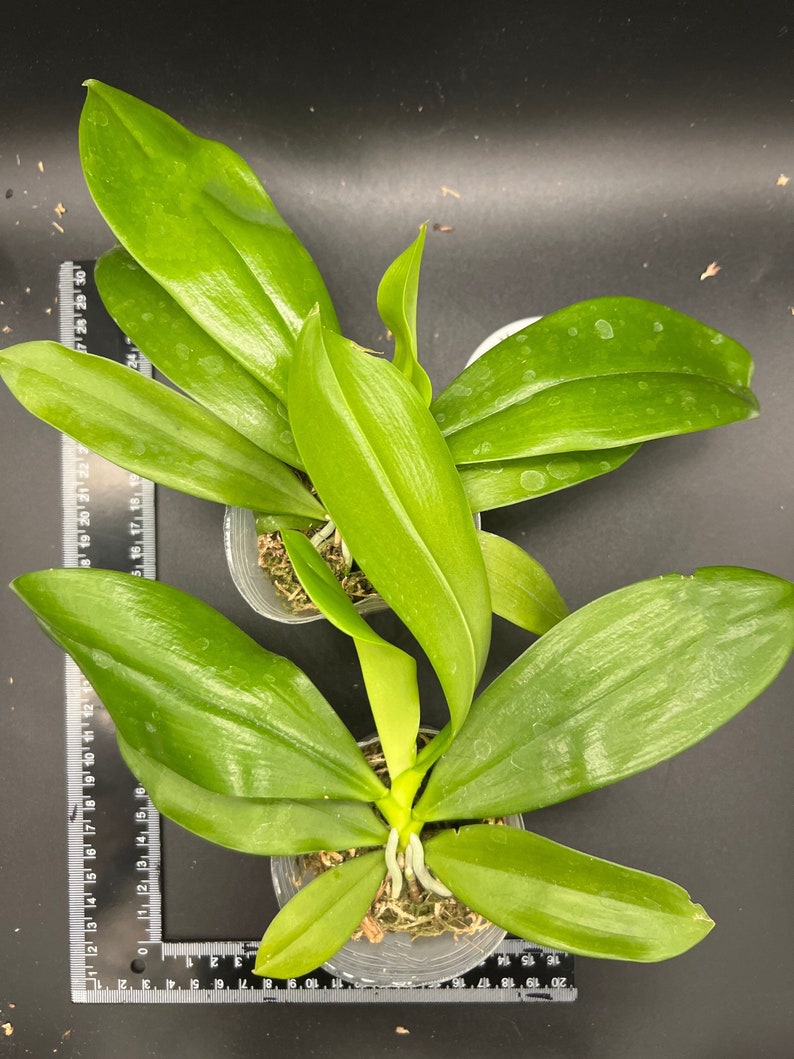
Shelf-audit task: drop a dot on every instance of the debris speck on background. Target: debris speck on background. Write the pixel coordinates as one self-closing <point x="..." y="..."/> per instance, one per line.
<point x="58" y="227"/>
<point x="60" y="209"/>
<point x="449" y="191"/>
<point x="40" y="166"/>
<point x="7" y="330"/>
<point x="7" y="1028"/>
<point x="782" y="180"/>
<point x="443" y="228"/>
<point x="401" y="1030"/>
<point x="711" y="270"/>
<point x="9" y="192"/>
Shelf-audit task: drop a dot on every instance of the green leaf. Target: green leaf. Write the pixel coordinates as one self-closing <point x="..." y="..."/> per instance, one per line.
<point x="320" y="918"/>
<point x="559" y="897"/>
<point x="148" y="428"/>
<point x="503" y="482"/>
<point x="385" y="476"/>
<point x="521" y="590"/>
<point x="397" y="296"/>
<point x="601" y="374"/>
<point x="389" y="673"/>
<point x="255" y="825"/>
<point x="189" y="689"/>
<point x="622" y="684"/>
<point x="196" y="217"/>
<point x="180" y="349"/>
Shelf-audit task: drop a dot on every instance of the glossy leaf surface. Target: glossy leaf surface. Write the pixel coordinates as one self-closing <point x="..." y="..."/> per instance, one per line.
<point x="389" y="673"/>
<point x="559" y="897"/>
<point x="600" y="374"/>
<point x="189" y="689"/>
<point x="503" y="482"/>
<point x="521" y="590"/>
<point x="150" y="429"/>
<point x="320" y="918"/>
<point x="397" y="297"/>
<point x="196" y="217"/>
<point x="625" y="682"/>
<point x="255" y="825"/>
<point x="186" y="354"/>
<point x="385" y="475"/>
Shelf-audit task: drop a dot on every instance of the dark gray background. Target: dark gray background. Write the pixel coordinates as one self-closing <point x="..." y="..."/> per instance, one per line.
<point x="600" y="149"/>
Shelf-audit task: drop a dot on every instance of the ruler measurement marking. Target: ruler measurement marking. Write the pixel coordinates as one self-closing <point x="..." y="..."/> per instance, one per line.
<point x="113" y="526"/>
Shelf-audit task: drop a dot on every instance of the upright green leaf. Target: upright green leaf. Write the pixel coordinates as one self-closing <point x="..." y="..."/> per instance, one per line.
<point x="503" y="482"/>
<point x="386" y="478"/>
<point x="521" y="590"/>
<point x="601" y="374"/>
<point x="389" y="673"/>
<point x="150" y="429"/>
<point x="190" y="690"/>
<point x="196" y="217"/>
<point x="320" y="918"/>
<point x="184" y="352"/>
<point x="397" y="296"/>
<point x="267" y="827"/>
<point x="625" y="682"/>
<point x="556" y="896"/>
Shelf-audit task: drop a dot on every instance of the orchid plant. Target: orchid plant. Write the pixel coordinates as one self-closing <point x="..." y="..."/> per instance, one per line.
<point x="235" y="743"/>
<point x="213" y="286"/>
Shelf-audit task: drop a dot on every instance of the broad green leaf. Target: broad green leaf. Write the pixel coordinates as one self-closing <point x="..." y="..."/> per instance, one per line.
<point x="385" y="476"/>
<point x="503" y="482"/>
<point x="189" y="689"/>
<point x="196" y="217"/>
<point x="389" y="673"/>
<point x="600" y="374"/>
<point x="189" y="357"/>
<point x="521" y="590"/>
<point x="559" y="897"/>
<point x="320" y="918"/>
<point x="255" y="825"/>
<point x="622" y="684"/>
<point x="150" y="429"/>
<point x="397" y="295"/>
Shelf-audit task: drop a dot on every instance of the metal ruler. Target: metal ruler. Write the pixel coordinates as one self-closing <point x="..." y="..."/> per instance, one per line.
<point x="118" y="948"/>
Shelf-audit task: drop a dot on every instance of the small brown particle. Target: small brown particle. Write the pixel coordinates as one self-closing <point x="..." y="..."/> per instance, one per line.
<point x="60" y="209"/>
<point x="449" y="191"/>
<point x="40" y="166"/>
<point x="7" y="1028"/>
<point x="711" y="270"/>
<point x="7" y="330"/>
<point x="782" y="180"/>
<point x="402" y="1030"/>
<point x="443" y="228"/>
<point x="9" y="192"/>
<point x="57" y="226"/>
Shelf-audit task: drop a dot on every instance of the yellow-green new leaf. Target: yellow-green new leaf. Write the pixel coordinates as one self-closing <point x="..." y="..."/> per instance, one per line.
<point x="559" y="897"/>
<point x="320" y="918"/>
<point x="397" y="297"/>
<point x="521" y="590"/>
<point x="389" y="673"/>
<point x="386" y="478"/>
<point x="266" y="827"/>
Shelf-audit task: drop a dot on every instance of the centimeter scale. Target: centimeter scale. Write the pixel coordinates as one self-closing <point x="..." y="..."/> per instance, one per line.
<point x="118" y="948"/>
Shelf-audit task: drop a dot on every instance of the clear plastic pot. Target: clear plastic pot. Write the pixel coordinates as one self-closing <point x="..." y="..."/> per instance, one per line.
<point x="241" y="544"/>
<point x="398" y="960"/>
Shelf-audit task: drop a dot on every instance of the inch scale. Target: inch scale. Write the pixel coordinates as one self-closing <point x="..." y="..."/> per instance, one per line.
<point x="118" y="949"/>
